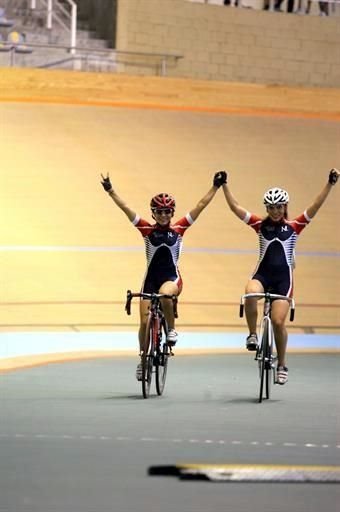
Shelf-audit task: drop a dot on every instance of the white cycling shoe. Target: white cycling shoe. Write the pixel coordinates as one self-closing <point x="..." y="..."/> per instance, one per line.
<point x="282" y="375"/>
<point x="171" y="338"/>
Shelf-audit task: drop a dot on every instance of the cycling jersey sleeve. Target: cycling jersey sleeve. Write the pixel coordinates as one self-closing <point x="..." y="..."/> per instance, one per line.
<point x="253" y="221"/>
<point x="183" y="224"/>
<point x="300" y="222"/>
<point x="143" y="226"/>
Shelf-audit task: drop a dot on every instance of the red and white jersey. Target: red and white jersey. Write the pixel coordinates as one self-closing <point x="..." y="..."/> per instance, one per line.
<point x="277" y="240"/>
<point x="163" y="245"/>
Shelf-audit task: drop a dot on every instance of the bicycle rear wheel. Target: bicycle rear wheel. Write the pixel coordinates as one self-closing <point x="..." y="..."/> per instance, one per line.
<point x="148" y="358"/>
<point x="162" y="360"/>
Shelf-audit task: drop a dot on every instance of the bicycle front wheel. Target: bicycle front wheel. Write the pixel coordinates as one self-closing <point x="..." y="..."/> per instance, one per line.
<point x="268" y="362"/>
<point x="262" y="358"/>
<point x="162" y="360"/>
<point x="148" y="359"/>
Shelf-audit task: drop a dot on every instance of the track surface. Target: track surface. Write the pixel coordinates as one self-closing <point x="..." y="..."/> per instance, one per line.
<point x="79" y="437"/>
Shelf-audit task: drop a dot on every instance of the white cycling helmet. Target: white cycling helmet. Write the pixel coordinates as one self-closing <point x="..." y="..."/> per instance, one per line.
<point x="276" y="196"/>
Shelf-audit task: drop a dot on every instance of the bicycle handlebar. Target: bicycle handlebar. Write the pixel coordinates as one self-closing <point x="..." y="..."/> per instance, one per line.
<point x="268" y="296"/>
<point x="149" y="296"/>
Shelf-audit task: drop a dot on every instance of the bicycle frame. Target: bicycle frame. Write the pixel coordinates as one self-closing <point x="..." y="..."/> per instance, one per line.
<point x="154" y="356"/>
<point x="264" y="354"/>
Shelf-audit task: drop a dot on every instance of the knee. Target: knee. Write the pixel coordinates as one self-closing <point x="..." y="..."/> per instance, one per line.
<point x="169" y="288"/>
<point x="251" y="288"/>
<point x="278" y="323"/>
<point x="254" y="286"/>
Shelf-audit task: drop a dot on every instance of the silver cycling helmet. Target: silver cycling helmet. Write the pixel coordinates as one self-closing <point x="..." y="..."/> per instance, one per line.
<point x="276" y="196"/>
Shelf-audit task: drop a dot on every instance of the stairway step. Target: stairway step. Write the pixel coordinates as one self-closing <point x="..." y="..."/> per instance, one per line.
<point x="33" y="24"/>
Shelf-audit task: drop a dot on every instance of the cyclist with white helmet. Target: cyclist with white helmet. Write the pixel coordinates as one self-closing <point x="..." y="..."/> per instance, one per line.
<point x="274" y="270"/>
<point x="163" y="244"/>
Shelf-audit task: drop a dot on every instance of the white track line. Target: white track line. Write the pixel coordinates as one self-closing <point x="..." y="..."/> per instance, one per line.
<point x="89" y="437"/>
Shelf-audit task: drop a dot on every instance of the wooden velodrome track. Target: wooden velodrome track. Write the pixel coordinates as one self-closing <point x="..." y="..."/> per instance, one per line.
<point x="68" y="255"/>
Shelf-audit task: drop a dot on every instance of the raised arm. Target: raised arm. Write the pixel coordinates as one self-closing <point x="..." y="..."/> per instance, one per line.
<point x="239" y="211"/>
<point x="115" y="197"/>
<point x="217" y="183"/>
<point x="320" y="199"/>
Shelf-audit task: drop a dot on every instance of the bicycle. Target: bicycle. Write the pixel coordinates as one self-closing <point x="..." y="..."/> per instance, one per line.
<point x="154" y="357"/>
<point x="265" y="356"/>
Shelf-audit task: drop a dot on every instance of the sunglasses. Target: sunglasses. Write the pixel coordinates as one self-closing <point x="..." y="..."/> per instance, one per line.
<point x="272" y="207"/>
<point x="160" y="211"/>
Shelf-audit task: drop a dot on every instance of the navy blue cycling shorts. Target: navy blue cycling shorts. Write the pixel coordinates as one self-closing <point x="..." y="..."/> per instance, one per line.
<point x="153" y="283"/>
<point x="276" y="282"/>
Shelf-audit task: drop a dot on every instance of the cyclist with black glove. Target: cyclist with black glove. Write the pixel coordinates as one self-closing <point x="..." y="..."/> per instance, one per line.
<point x="274" y="270"/>
<point x="163" y="244"/>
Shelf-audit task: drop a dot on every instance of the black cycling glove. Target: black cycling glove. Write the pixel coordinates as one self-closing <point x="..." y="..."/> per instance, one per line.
<point x="220" y="178"/>
<point x="333" y="177"/>
<point x="106" y="184"/>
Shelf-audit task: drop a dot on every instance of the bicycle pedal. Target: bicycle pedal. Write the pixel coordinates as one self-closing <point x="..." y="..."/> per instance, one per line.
<point x="168" y="350"/>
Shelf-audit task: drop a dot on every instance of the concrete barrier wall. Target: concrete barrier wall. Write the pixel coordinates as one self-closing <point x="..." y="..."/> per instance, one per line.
<point x="224" y="43"/>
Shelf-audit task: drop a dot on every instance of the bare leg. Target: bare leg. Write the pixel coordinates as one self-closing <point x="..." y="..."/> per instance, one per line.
<point x="143" y="312"/>
<point x="253" y="286"/>
<point x="279" y="313"/>
<point x="169" y="288"/>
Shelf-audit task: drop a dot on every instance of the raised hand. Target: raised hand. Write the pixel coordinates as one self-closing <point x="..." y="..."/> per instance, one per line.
<point x="106" y="183"/>
<point x="220" y="178"/>
<point x="333" y="176"/>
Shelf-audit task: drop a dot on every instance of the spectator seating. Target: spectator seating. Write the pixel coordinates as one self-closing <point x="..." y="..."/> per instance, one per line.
<point x="4" y="21"/>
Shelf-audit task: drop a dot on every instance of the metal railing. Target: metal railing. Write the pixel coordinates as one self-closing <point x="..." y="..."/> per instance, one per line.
<point x="56" y="12"/>
<point x="85" y="59"/>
